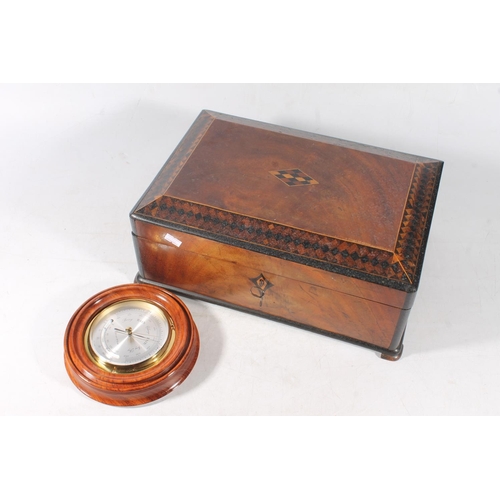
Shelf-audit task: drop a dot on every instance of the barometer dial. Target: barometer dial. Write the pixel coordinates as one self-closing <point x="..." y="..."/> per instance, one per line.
<point x="129" y="335"/>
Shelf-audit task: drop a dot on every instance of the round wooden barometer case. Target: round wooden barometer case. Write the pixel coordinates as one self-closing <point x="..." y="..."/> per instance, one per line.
<point x="130" y="345"/>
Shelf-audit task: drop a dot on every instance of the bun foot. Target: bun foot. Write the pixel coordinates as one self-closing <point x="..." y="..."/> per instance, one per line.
<point x="394" y="356"/>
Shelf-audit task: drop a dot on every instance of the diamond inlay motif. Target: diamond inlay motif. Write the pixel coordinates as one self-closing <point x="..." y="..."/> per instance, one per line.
<point x="293" y="177"/>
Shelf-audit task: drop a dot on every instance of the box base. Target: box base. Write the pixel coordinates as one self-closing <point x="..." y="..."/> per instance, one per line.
<point x="387" y="354"/>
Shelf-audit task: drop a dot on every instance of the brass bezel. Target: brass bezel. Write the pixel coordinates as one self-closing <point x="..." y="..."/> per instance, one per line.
<point x="137" y="367"/>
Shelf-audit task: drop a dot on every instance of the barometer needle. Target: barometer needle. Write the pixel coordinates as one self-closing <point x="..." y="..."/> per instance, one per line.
<point x="135" y="334"/>
<point x="142" y="336"/>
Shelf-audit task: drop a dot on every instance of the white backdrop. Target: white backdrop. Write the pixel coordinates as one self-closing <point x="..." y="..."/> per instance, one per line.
<point x="76" y="158"/>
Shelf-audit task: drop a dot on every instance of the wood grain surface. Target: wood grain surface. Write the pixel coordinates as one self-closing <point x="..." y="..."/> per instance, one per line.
<point x="309" y="299"/>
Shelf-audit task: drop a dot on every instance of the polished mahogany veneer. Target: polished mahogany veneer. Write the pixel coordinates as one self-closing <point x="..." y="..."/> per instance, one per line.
<point x="318" y="232"/>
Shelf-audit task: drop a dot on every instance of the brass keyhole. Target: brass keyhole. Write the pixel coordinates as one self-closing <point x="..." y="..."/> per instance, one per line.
<point x="261" y="285"/>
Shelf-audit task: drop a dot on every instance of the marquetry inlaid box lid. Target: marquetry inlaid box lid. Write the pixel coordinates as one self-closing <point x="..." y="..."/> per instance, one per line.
<point x="335" y="205"/>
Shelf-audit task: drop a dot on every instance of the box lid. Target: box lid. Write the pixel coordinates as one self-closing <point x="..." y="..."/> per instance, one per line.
<point x="335" y="205"/>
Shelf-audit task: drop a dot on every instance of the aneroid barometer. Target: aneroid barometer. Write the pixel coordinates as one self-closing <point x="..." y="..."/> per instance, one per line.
<point x="130" y="345"/>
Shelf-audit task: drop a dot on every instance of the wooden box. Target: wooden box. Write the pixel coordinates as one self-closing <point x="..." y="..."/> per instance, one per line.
<point x="317" y="232"/>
